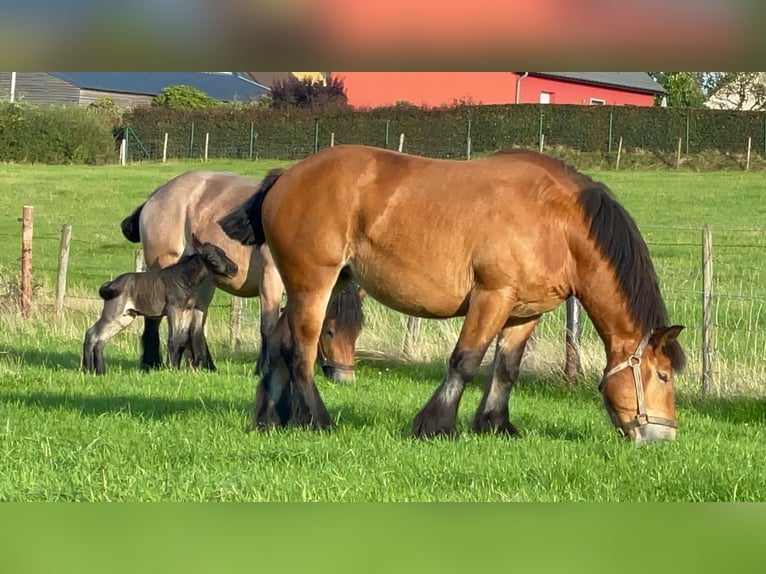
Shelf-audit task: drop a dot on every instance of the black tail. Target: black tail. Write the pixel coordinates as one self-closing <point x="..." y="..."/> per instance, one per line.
<point x="244" y="224"/>
<point x="109" y="290"/>
<point x="129" y="225"/>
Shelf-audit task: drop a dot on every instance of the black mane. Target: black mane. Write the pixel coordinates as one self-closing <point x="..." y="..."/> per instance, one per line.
<point x="617" y="236"/>
<point x="346" y="308"/>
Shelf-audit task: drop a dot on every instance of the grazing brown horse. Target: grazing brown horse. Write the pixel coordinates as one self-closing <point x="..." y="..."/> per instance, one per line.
<point x="192" y="203"/>
<point x="499" y="240"/>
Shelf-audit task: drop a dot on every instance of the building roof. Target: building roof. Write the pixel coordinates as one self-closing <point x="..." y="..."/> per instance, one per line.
<point x="635" y="81"/>
<point x="267" y="78"/>
<point x="226" y="87"/>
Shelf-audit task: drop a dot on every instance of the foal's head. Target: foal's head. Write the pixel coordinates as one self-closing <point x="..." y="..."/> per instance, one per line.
<point x="216" y="260"/>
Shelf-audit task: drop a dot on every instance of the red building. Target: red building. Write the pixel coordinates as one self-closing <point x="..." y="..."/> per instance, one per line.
<point x="433" y="89"/>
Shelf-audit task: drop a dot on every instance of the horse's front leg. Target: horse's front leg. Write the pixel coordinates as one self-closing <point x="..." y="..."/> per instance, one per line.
<point x="492" y="414"/>
<point x="200" y="352"/>
<point x="271" y="290"/>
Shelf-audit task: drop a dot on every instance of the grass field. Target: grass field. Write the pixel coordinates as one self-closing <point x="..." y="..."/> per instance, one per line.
<point x="181" y="436"/>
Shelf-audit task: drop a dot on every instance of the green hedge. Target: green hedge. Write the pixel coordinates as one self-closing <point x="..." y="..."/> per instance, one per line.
<point x="55" y="135"/>
<point x="249" y="132"/>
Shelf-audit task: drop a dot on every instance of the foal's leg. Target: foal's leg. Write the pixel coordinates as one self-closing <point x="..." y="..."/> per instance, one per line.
<point x="150" y="344"/>
<point x="492" y="414"/>
<point x="96" y="339"/>
<point x="487" y="312"/>
<point x="270" y="289"/>
<point x="200" y="353"/>
<point x="179" y="322"/>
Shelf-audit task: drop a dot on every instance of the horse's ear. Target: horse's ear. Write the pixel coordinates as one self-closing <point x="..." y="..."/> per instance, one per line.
<point x="663" y="337"/>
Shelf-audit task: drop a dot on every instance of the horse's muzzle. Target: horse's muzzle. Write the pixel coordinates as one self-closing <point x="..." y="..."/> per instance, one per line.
<point x="652" y="433"/>
<point x="338" y="374"/>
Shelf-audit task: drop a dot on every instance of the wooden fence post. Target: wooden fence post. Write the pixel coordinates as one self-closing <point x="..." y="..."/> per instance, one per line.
<point x="619" y="153"/>
<point x="123" y="151"/>
<point x="708" y="384"/>
<point x="332" y="139"/>
<point x="139" y="260"/>
<point x="572" y="361"/>
<point x="401" y="142"/>
<point x="207" y="143"/>
<point x="678" y="153"/>
<point x="66" y="239"/>
<point x="411" y="335"/>
<point x="26" y="260"/>
<point x="165" y="149"/>
<point x="749" y="149"/>
<point x="235" y="322"/>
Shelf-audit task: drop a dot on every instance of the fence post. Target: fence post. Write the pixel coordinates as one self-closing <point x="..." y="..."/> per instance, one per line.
<point x="235" y="322"/>
<point x="611" y="121"/>
<point x="749" y="148"/>
<point x="707" y="311"/>
<point x="316" y="137"/>
<point x="66" y="239"/>
<point x="388" y="129"/>
<point x="401" y="142"/>
<point x="139" y="262"/>
<point x="26" y="260"/>
<point x="252" y="137"/>
<point x="619" y="153"/>
<point x="411" y="335"/>
<point x="678" y="154"/>
<point x="207" y="143"/>
<point x="572" y="362"/>
<point x="332" y="139"/>
<point x="191" y="141"/>
<point x="468" y="142"/>
<point x="123" y="151"/>
<point x="165" y="149"/>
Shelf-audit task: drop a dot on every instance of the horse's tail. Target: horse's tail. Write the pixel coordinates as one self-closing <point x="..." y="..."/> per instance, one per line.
<point x="130" y="227"/>
<point x="110" y="289"/>
<point x="244" y="224"/>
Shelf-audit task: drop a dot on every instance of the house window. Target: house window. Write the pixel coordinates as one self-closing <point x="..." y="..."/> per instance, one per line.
<point x="597" y="102"/>
<point x="546" y="97"/>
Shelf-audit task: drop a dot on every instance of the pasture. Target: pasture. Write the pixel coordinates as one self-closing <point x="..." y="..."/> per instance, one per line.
<point x="181" y="435"/>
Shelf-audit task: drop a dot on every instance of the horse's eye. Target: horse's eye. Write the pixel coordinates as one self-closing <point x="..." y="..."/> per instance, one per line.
<point x="662" y="376"/>
<point x="329" y="332"/>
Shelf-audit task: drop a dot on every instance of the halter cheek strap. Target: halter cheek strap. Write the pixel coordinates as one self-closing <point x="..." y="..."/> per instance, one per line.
<point x="642" y="418"/>
<point x="325" y="361"/>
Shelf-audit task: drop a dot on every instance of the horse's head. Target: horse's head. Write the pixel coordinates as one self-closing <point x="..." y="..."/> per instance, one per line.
<point x="340" y="330"/>
<point x="639" y="392"/>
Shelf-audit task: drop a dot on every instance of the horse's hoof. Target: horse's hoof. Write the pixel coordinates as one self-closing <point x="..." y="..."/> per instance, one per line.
<point x="484" y="424"/>
<point x="427" y="428"/>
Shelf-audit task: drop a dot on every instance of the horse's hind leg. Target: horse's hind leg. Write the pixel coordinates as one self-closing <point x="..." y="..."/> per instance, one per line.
<point x="179" y="323"/>
<point x="270" y="289"/>
<point x="492" y="414"/>
<point x="273" y="396"/>
<point x="487" y="312"/>
<point x="96" y="339"/>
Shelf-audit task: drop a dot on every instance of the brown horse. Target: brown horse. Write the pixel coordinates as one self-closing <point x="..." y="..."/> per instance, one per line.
<point x="192" y="203"/>
<point x="499" y="240"/>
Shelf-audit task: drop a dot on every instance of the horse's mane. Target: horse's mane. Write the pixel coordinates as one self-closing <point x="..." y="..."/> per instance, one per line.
<point x="617" y="236"/>
<point x="346" y="308"/>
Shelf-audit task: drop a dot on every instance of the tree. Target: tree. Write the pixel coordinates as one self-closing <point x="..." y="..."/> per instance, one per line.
<point x="308" y="93"/>
<point x="740" y="91"/>
<point x="683" y="89"/>
<point x="184" y="98"/>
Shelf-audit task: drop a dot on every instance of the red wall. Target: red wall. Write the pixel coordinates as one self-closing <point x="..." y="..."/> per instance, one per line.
<point x="372" y="89"/>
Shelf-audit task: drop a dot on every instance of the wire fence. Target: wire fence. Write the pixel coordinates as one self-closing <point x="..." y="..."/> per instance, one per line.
<point x="738" y="343"/>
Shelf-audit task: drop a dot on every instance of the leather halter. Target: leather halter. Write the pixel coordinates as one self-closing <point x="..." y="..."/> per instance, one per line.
<point x="642" y="418"/>
<point x="325" y="361"/>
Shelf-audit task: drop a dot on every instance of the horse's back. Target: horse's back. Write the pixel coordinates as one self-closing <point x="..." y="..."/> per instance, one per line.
<point x="191" y="204"/>
<point x="410" y="225"/>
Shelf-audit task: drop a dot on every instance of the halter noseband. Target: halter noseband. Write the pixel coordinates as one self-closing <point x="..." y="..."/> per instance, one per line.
<point x="325" y="361"/>
<point x="642" y="418"/>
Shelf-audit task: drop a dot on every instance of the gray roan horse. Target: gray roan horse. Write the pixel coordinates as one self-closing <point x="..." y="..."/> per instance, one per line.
<point x="498" y="240"/>
<point x="192" y="203"/>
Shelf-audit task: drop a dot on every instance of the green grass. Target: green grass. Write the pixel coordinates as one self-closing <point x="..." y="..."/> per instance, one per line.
<point x="181" y="435"/>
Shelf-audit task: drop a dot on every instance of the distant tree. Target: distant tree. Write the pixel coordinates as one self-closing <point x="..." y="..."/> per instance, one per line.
<point x="184" y="98"/>
<point x="740" y="91"/>
<point x="683" y="89"/>
<point x="308" y="93"/>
